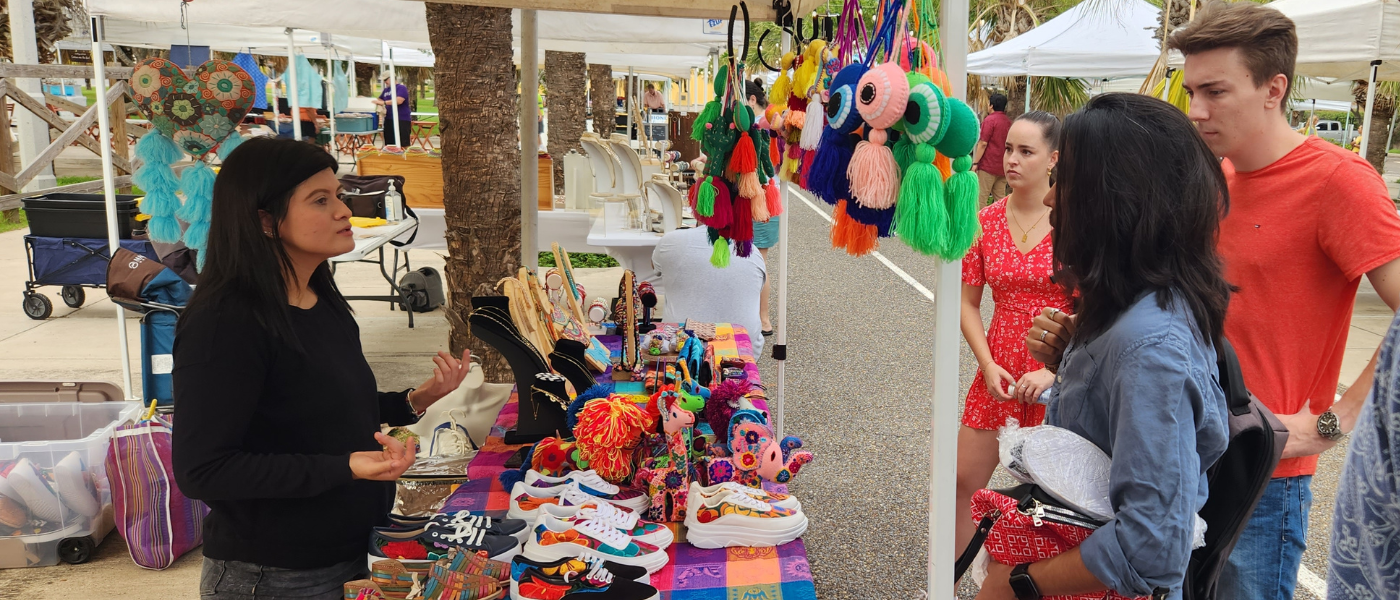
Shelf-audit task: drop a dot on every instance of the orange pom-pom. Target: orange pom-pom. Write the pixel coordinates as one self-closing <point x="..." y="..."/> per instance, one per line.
<point x="773" y="198"/>
<point x="745" y="158"/>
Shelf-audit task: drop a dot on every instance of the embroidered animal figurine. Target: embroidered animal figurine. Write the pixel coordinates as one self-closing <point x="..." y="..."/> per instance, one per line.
<point x="668" y="473"/>
<point x="755" y="453"/>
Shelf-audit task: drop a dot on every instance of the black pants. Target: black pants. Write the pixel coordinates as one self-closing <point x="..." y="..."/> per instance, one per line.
<point x="405" y="133"/>
<point x="233" y="580"/>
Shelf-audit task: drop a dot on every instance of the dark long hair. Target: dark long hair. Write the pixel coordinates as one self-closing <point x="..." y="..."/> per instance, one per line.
<point x="241" y="263"/>
<point x="1137" y="209"/>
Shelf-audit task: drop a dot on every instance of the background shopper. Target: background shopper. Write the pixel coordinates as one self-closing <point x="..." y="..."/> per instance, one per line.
<point x="279" y="415"/>
<point x="398" y="119"/>
<point x="765" y="234"/>
<point x="986" y="159"/>
<point x="1136" y="218"/>
<point x="1013" y="256"/>
<point x="1307" y="220"/>
<point x="698" y="291"/>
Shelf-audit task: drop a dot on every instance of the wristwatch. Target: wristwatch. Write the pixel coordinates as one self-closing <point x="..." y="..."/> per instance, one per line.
<point x="1329" y="426"/>
<point x="1022" y="584"/>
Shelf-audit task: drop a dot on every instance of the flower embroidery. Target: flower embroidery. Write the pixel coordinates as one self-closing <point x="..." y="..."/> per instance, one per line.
<point x="223" y="85"/>
<point x="145" y="81"/>
<point x="215" y="126"/>
<point x="194" y="142"/>
<point x="183" y="109"/>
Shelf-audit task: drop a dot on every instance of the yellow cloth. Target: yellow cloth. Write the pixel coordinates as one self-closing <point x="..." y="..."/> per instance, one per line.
<point x="366" y="221"/>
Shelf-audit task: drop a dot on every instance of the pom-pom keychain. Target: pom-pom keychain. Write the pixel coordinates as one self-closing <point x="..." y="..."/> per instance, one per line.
<point x="828" y="179"/>
<point x="713" y="108"/>
<point x="881" y="97"/>
<point x="962" y="187"/>
<point x="921" y="212"/>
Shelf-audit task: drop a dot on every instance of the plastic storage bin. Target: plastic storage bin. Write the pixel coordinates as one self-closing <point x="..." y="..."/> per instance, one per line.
<point x="79" y="215"/>
<point x="53" y="447"/>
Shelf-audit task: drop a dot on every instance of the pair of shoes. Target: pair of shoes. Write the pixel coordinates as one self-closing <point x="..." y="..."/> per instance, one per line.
<point x="774" y="498"/>
<point x="628" y="523"/>
<point x="363" y="589"/>
<point x="395" y="579"/>
<point x="728" y="517"/>
<point x="574" y="579"/>
<point x="516" y="528"/>
<point x="466" y="576"/>
<point x="553" y="539"/>
<point x="434" y="541"/>
<point x="578" y="487"/>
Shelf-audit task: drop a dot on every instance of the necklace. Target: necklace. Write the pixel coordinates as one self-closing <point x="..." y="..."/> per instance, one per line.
<point x="1026" y="233"/>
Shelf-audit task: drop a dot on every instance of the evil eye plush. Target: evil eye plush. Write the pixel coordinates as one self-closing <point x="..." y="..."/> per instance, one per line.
<point x="962" y="130"/>
<point x="925" y="116"/>
<point x="841" y="114"/>
<point x="882" y="95"/>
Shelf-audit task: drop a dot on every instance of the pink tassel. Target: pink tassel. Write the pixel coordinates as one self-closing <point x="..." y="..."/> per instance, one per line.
<point x="749" y="186"/>
<point x="723" y="216"/>
<point x="874" y="173"/>
<point x="759" y="206"/>
<point x="774" y="198"/>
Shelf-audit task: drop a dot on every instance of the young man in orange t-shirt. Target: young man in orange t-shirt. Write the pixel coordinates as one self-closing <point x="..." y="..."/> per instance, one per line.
<point x="1306" y="220"/>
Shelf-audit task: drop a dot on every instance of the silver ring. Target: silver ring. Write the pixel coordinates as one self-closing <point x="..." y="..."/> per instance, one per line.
<point x="1053" y="312"/>
<point x="1042" y="334"/>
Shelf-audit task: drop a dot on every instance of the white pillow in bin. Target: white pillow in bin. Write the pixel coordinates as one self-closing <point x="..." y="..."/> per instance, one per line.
<point x="35" y="492"/>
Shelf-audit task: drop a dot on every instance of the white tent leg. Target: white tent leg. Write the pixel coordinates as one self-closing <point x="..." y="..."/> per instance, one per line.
<point x="1370" y="106"/>
<point x="291" y="77"/>
<point x="529" y="139"/>
<point x="109" y="189"/>
<point x="780" y="337"/>
<point x="943" y="447"/>
<point x="1028" y="93"/>
<point x="393" y="110"/>
<point x="1390" y="136"/>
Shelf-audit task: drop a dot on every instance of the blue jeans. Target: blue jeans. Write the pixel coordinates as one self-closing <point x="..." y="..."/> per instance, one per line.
<point x="1264" y="564"/>
<point x="234" y="580"/>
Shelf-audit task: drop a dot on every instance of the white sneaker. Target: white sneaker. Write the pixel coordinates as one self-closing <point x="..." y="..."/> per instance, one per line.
<point x="730" y="518"/>
<point x="71" y="482"/>
<point x="526" y="500"/>
<point x="698" y="493"/>
<point x="655" y="534"/>
<point x="553" y="539"/>
<point x="35" y="491"/>
<point x="589" y="482"/>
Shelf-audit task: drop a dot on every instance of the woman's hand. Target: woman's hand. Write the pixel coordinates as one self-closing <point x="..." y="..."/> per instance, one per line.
<point x="383" y="465"/>
<point x="994" y="376"/>
<point x="1033" y="384"/>
<point x="1049" y="335"/>
<point x="997" y="585"/>
<point x="447" y="376"/>
<point x="376" y="101"/>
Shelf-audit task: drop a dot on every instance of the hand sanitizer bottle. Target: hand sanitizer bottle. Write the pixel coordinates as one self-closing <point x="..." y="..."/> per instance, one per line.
<point x="393" y="204"/>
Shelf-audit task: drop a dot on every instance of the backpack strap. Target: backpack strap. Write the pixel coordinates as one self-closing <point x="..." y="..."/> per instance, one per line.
<point x="409" y="211"/>
<point x="1231" y="379"/>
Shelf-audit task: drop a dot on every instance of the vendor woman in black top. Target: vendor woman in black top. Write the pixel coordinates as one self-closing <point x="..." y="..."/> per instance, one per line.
<point x="277" y="417"/>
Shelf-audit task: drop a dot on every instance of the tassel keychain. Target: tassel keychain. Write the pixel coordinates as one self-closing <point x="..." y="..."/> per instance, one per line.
<point x="921" y="213"/>
<point x="156" y="153"/>
<point x="881" y="97"/>
<point x="828" y="179"/>
<point x="809" y="82"/>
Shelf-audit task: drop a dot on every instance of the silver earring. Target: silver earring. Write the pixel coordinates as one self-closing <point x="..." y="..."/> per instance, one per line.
<point x="267" y="233"/>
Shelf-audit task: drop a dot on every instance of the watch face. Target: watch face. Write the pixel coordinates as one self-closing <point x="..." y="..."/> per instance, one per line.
<point x="1328" y="425"/>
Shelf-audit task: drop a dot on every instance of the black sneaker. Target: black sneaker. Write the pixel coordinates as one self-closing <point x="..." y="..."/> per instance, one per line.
<point x="574" y="579"/>
<point x="432" y="543"/>
<point x="516" y="528"/>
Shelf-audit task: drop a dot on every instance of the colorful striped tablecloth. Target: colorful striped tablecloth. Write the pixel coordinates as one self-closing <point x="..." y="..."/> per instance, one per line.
<point x="692" y="573"/>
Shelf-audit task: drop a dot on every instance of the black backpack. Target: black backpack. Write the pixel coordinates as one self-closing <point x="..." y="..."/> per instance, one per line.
<point x="1237" y="479"/>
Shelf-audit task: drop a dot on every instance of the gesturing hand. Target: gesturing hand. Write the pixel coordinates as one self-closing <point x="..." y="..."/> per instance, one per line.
<point x="448" y="374"/>
<point x="996" y="379"/>
<point x="383" y="465"/>
<point x="1049" y="335"/>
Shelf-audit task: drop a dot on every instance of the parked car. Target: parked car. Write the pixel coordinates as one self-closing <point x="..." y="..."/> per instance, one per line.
<point x="1332" y="130"/>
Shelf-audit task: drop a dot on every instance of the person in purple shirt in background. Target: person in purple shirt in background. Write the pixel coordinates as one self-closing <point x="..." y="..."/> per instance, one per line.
<point x="396" y="131"/>
<point x="991" y="147"/>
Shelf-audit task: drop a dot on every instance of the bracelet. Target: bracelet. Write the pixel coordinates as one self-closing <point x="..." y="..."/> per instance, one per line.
<point x="408" y="399"/>
<point x="1053" y="369"/>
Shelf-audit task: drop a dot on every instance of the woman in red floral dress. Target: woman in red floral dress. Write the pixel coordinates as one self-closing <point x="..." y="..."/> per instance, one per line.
<point x="1013" y="256"/>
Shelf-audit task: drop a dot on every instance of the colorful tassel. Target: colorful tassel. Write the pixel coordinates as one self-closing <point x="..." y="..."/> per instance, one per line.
<point x="904" y="154"/>
<point x="856" y="238"/>
<point x="813" y="125"/>
<point x="921" y="213"/>
<point x="692" y="196"/>
<point x="230" y="143"/>
<point x="197" y="184"/>
<point x="720" y="257"/>
<point x="156" y="153"/>
<point x="759" y="206"/>
<point x="808" y="156"/>
<point x="838" y="218"/>
<point x="961" y="194"/>
<point x="773" y="198"/>
<point x="749" y="186"/>
<point x="741" y="225"/>
<point x="827" y="179"/>
<point x="881" y="218"/>
<point x="723" y="205"/>
<point x="705" y="204"/>
<point x="945" y="166"/>
<point x="874" y="173"/>
<point x="796" y="119"/>
<point x="744" y="159"/>
<point x="743" y="248"/>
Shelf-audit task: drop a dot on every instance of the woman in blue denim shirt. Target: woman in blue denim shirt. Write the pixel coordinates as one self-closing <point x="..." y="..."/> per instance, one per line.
<point x="1136" y="210"/>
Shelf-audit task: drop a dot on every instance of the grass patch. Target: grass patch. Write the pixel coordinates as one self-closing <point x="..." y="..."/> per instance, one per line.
<point x="8" y="225"/>
<point x="72" y="179"/>
<point x="581" y="260"/>
<point x="426" y="104"/>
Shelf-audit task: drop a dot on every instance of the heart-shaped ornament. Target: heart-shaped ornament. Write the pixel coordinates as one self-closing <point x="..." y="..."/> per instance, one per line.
<point x="197" y="112"/>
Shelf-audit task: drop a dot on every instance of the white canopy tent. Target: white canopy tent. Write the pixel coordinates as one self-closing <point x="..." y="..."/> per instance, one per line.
<point x="1109" y="38"/>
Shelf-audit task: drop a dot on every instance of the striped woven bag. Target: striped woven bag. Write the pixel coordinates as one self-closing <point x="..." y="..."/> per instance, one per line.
<point x="158" y="522"/>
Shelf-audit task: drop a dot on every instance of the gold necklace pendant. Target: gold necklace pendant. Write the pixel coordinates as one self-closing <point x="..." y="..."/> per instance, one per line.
<point x="1024" y="237"/>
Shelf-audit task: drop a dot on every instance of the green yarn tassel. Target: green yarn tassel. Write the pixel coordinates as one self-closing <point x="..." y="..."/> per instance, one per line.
<point x="962" y="204"/>
<point x="705" y="202"/>
<point x="904" y="154"/>
<point x="920" y="217"/>
<point x="720" y="258"/>
<point x="707" y="116"/>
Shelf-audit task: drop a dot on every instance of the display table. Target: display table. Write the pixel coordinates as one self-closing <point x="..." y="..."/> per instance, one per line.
<point x="373" y="240"/>
<point x="421" y="171"/>
<point x="780" y="573"/>
<point x="420" y="132"/>
<point x="631" y="247"/>
<point x="568" y="227"/>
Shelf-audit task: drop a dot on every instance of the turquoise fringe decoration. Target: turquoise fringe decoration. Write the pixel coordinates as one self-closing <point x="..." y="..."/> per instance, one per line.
<point x="197" y="183"/>
<point x="231" y="142"/>
<point x="156" y="153"/>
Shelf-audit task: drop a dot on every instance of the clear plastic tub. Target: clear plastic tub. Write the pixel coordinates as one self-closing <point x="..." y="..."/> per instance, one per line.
<point x="55" y="501"/>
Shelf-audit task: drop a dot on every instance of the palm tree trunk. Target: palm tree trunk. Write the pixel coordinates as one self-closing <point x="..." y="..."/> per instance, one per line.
<point x="1380" y="123"/>
<point x="477" y="106"/>
<point x="602" y="94"/>
<point x="565" y="75"/>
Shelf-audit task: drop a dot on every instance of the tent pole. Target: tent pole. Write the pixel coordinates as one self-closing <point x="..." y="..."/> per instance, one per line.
<point x="350" y="76"/>
<point x="947" y="342"/>
<point x="1309" y="129"/>
<point x="780" y="337"/>
<point x="627" y="104"/>
<point x="529" y="139"/>
<point x="1370" y="105"/>
<point x="393" y="111"/>
<point x="291" y="77"/>
<point x="1390" y="136"/>
<point x="1028" y="93"/>
<point x="109" y="189"/>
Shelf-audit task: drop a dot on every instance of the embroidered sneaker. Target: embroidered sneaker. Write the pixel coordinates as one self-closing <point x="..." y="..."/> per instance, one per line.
<point x="512" y="527"/>
<point x="553" y="539"/>
<point x="589" y="482"/>
<point x="730" y="518"/>
<point x="573" y="579"/>
<point x="655" y="534"/>
<point x="698" y="493"/>
<point x="36" y="491"/>
<point x="526" y="500"/>
<point x="433" y="543"/>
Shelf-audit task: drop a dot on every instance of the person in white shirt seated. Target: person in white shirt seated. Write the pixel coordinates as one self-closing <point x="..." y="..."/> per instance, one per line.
<point x="698" y="291"/>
